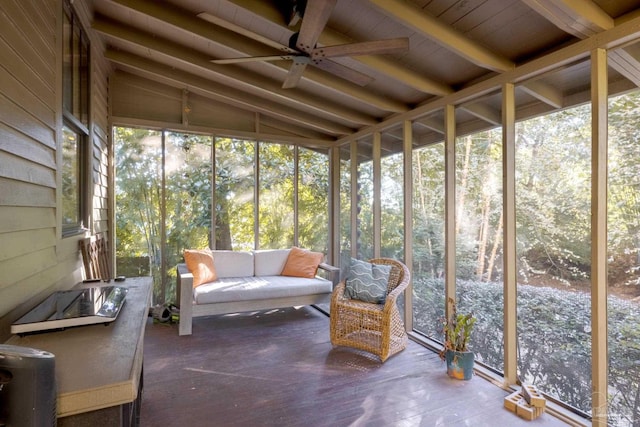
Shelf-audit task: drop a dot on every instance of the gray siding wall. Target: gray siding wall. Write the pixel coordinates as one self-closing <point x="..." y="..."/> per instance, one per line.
<point x="34" y="259"/>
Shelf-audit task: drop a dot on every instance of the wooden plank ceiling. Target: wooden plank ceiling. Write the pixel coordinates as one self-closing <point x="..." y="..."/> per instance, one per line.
<point x="452" y="45"/>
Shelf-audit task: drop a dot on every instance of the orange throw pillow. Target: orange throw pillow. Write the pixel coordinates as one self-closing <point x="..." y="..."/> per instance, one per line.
<point x="302" y="263"/>
<point x="200" y="264"/>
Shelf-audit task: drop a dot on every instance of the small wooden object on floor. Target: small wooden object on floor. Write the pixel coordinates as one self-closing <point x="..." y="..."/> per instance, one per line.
<point x="528" y="403"/>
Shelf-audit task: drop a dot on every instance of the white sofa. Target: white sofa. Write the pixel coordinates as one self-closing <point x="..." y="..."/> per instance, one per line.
<point x="249" y="280"/>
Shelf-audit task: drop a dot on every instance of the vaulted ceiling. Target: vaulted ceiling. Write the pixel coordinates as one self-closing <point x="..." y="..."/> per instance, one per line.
<point x="452" y="45"/>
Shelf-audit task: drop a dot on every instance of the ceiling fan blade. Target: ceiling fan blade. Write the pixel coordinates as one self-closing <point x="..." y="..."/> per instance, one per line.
<point x="253" y="59"/>
<point x="244" y="32"/>
<point x="363" y="48"/>
<point x="316" y="15"/>
<point x="295" y="72"/>
<point x="344" y="72"/>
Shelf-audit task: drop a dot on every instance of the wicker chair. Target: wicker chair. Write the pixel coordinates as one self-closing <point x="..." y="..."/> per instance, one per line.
<point x="375" y="328"/>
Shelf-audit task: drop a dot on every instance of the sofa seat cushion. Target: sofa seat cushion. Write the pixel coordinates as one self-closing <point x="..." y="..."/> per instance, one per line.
<point x="258" y="288"/>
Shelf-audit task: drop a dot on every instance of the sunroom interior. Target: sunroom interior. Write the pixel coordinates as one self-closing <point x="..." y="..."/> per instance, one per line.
<point x="495" y="154"/>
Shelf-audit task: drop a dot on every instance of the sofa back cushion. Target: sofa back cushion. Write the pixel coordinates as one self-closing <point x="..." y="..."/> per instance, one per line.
<point x="270" y="262"/>
<point x="233" y="263"/>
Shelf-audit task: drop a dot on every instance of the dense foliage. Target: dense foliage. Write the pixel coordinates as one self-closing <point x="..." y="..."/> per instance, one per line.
<point x="554" y="339"/>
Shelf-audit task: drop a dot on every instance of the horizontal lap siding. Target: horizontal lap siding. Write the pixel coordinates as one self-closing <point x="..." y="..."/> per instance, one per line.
<point x="101" y="140"/>
<point x="34" y="259"/>
<point x="28" y="254"/>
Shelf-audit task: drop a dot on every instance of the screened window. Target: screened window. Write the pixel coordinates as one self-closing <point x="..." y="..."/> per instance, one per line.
<point x="479" y="285"/>
<point x="235" y="194"/>
<point x="313" y="203"/>
<point x="276" y="196"/>
<point x="428" y="239"/>
<point x="553" y="207"/>
<point x="71" y="214"/>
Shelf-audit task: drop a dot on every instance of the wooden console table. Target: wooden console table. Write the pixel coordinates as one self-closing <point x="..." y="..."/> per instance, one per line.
<point x="98" y="367"/>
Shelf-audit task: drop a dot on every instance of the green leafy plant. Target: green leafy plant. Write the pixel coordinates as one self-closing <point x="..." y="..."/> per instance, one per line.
<point x="457" y="330"/>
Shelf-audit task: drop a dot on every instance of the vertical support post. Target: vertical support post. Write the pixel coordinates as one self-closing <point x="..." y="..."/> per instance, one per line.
<point x="354" y="198"/>
<point x="450" y="205"/>
<point x="377" y="208"/>
<point x="334" y="206"/>
<point x="509" y="233"/>
<point x="256" y="193"/>
<point x="163" y="226"/>
<point x="214" y="202"/>
<point x="296" y="182"/>
<point x="407" y="153"/>
<point x="599" y="122"/>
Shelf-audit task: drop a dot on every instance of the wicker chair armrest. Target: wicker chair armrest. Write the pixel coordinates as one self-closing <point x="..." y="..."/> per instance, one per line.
<point x="398" y="290"/>
<point x="395" y="293"/>
<point x="391" y="299"/>
<point x="338" y="292"/>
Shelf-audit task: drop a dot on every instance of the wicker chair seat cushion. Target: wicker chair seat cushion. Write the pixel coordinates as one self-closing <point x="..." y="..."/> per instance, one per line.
<point x="367" y="282"/>
<point x="361" y="306"/>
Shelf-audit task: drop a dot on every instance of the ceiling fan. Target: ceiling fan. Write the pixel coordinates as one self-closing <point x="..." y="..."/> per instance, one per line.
<point x="302" y="49"/>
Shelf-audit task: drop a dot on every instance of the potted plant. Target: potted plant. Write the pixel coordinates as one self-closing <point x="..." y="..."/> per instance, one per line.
<point x="457" y="332"/>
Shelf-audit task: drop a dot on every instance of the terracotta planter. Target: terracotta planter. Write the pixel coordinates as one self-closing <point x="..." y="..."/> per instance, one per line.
<point x="460" y="364"/>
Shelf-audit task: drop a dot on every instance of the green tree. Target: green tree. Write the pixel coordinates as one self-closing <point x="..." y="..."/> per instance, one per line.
<point x="138" y="193"/>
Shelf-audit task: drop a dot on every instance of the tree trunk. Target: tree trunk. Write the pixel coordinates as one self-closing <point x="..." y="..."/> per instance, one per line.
<point x="494" y="249"/>
<point x="222" y="232"/>
<point x="463" y="182"/>
<point x="483" y="237"/>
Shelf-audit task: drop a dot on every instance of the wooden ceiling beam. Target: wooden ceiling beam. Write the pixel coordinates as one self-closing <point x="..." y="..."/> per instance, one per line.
<point x="254" y="83"/>
<point x="443" y="34"/>
<point x="220" y="92"/>
<point x="222" y="36"/>
<point x="330" y="37"/>
<point x="583" y="19"/>
<point x="626" y="64"/>
<point x="431" y="123"/>
<point x="544" y="92"/>
<point x="623" y="33"/>
<point x="483" y="112"/>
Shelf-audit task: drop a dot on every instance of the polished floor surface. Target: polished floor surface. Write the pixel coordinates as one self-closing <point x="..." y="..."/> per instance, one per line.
<point x="278" y="368"/>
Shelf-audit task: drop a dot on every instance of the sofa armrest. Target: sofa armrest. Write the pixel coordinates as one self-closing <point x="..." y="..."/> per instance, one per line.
<point x="332" y="273"/>
<point x="184" y="282"/>
<point x="184" y="298"/>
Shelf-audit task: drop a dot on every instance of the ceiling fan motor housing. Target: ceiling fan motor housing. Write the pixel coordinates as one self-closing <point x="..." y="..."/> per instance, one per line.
<point x="293" y="40"/>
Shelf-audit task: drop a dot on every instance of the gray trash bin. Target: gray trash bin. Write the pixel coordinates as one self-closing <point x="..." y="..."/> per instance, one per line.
<point x="28" y="387"/>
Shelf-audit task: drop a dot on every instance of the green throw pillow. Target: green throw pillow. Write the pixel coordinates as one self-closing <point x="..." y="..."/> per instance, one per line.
<point x="367" y="282"/>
